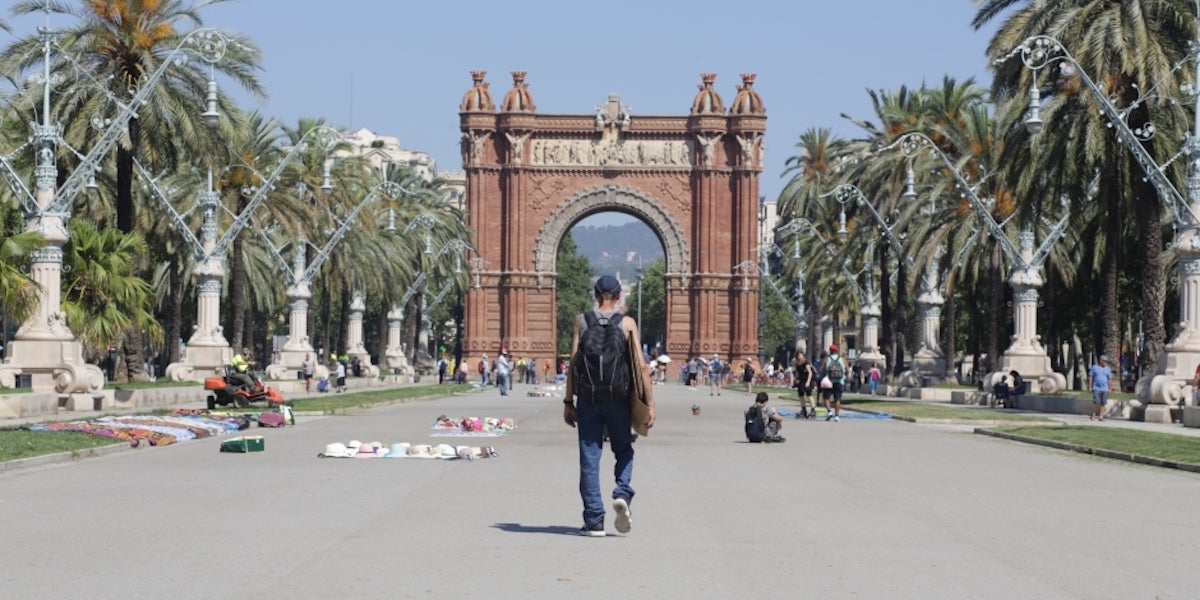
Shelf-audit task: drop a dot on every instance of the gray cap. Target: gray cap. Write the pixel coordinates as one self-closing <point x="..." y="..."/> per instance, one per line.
<point x="1103" y="358"/>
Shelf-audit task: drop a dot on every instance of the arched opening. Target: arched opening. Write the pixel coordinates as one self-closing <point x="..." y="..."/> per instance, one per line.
<point x="619" y="244"/>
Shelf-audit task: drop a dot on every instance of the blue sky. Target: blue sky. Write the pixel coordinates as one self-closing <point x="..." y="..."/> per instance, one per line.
<point x="400" y="68"/>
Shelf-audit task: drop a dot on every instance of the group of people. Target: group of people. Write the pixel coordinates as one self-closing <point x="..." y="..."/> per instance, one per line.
<point x="826" y="376"/>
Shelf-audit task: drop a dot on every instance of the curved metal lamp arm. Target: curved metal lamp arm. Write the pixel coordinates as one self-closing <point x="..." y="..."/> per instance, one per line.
<point x="388" y="189"/>
<point x="913" y="143"/>
<point x="208" y="44"/>
<point x="177" y="219"/>
<point x="325" y="135"/>
<point x="846" y="192"/>
<point x="1040" y="51"/>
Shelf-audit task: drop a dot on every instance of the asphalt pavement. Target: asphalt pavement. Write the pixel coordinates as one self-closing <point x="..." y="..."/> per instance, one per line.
<point x="861" y="508"/>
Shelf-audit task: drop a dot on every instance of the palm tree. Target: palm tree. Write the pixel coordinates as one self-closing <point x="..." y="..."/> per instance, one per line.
<point x="18" y="293"/>
<point x="116" y="43"/>
<point x="1127" y="47"/>
<point x="103" y="296"/>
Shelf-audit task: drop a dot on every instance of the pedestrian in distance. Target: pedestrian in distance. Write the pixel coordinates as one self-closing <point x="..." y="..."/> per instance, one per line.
<point x="599" y="399"/>
<point x="874" y="376"/>
<point x="1098" y="378"/>
<point x="835" y="371"/>
<point x="804" y="382"/>
<point x="716" y="372"/>
<point x="504" y="369"/>
<point x="308" y="366"/>
<point x="748" y="375"/>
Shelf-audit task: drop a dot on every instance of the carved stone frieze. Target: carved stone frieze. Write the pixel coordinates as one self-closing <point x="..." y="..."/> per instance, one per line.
<point x="612" y="152"/>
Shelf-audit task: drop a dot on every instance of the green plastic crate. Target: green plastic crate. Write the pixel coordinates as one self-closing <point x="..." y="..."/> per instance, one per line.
<point x="247" y="443"/>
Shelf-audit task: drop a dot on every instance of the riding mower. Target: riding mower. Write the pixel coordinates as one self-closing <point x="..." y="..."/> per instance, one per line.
<point x="227" y="390"/>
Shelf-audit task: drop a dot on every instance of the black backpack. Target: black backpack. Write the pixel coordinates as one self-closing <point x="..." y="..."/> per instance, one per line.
<point x="755" y="430"/>
<point x="602" y="366"/>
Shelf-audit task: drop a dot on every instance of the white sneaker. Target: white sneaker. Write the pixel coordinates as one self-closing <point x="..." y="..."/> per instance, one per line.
<point x="835" y="418"/>
<point x="624" y="515"/>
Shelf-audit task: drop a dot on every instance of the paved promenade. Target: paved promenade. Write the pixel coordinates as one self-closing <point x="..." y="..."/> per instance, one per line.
<point x="855" y="509"/>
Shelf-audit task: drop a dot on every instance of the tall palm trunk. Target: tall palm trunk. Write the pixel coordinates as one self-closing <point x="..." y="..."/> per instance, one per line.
<point x="1154" y="288"/>
<point x="326" y="339"/>
<point x="1108" y="326"/>
<point x="887" y="314"/>
<point x="996" y="295"/>
<point x="344" y="319"/>
<point x="175" y="311"/>
<point x="949" y="326"/>
<point x="237" y="296"/>
<point x="133" y="345"/>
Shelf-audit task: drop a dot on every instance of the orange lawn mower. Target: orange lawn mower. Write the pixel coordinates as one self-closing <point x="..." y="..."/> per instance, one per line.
<point x="227" y="390"/>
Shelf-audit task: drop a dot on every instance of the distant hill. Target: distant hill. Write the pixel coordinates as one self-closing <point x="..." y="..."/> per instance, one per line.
<point x="616" y="248"/>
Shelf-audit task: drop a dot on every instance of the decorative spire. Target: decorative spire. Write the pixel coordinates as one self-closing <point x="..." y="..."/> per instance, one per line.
<point x="747" y="101"/>
<point x="518" y="99"/>
<point x="708" y="101"/>
<point x="478" y="98"/>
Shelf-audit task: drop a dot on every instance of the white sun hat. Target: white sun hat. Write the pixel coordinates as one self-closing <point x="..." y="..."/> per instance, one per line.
<point x="336" y="450"/>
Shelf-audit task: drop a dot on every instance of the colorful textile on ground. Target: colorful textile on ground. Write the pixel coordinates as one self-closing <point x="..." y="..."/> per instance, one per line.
<point x="357" y="449"/>
<point x="152" y="430"/>
<point x="474" y="425"/>
<point x="547" y="391"/>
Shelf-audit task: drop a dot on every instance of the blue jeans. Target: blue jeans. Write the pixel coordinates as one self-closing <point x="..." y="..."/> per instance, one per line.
<point x="592" y="419"/>
<point x="502" y="382"/>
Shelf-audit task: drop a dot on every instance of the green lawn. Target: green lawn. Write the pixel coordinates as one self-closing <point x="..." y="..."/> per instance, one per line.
<point x="1150" y="444"/>
<point x="332" y="403"/>
<point x="148" y="385"/>
<point x="16" y="443"/>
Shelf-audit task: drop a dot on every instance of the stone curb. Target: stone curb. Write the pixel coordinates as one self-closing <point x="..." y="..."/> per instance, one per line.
<point x="1125" y="456"/>
<point x="61" y="457"/>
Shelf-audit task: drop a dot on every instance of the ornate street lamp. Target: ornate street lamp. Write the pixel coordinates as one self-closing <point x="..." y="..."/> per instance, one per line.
<point x="44" y="346"/>
<point x="1026" y="354"/>
<point x="1168" y="384"/>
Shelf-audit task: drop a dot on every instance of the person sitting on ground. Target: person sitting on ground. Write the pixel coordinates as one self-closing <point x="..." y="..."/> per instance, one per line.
<point x="763" y="422"/>
<point x="1000" y="391"/>
<point x="1018" y="388"/>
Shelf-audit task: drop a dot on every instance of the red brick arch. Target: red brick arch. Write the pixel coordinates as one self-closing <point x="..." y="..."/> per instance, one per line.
<point x="692" y="178"/>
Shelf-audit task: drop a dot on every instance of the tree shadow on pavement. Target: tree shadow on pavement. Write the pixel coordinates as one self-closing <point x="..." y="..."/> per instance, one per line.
<point x="519" y="528"/>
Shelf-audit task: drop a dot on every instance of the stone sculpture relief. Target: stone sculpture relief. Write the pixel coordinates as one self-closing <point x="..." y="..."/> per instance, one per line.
<point x="643" y="153"/>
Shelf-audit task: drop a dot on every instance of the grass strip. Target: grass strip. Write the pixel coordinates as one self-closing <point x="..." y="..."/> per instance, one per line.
<point x="148" y="385"/>
<point x="18" y="443"/>
<point x="1149" y="447"/>
<point x="333" y="403"/>
<point x="918" y="411"/>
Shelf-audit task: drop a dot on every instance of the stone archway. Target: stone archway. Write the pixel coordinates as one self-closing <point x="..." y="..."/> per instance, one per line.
<point x="610" y="197"/>
<point x="692" y="178"/>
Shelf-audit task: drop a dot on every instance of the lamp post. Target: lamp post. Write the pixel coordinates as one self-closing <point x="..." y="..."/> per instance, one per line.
<point x="422" y="358"/>
<point x="1169" y="384"/>
<point x="1026" y="354"/>
<point x="929" y="363"/>
<point x="795" y="227"/>
<point x="300" y="277"/>
<point x="207" y="352"/>
<point x="44" y="347"/>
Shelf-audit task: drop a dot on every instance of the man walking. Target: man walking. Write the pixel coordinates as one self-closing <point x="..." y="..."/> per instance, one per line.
<point x="598" y="400"/>
<point x="308" y="366"/>
<point x="504" y="368"/>
<point x="1098" y="377"/>
<point x="835" y="370"/>
<point x="716" y="372"/>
